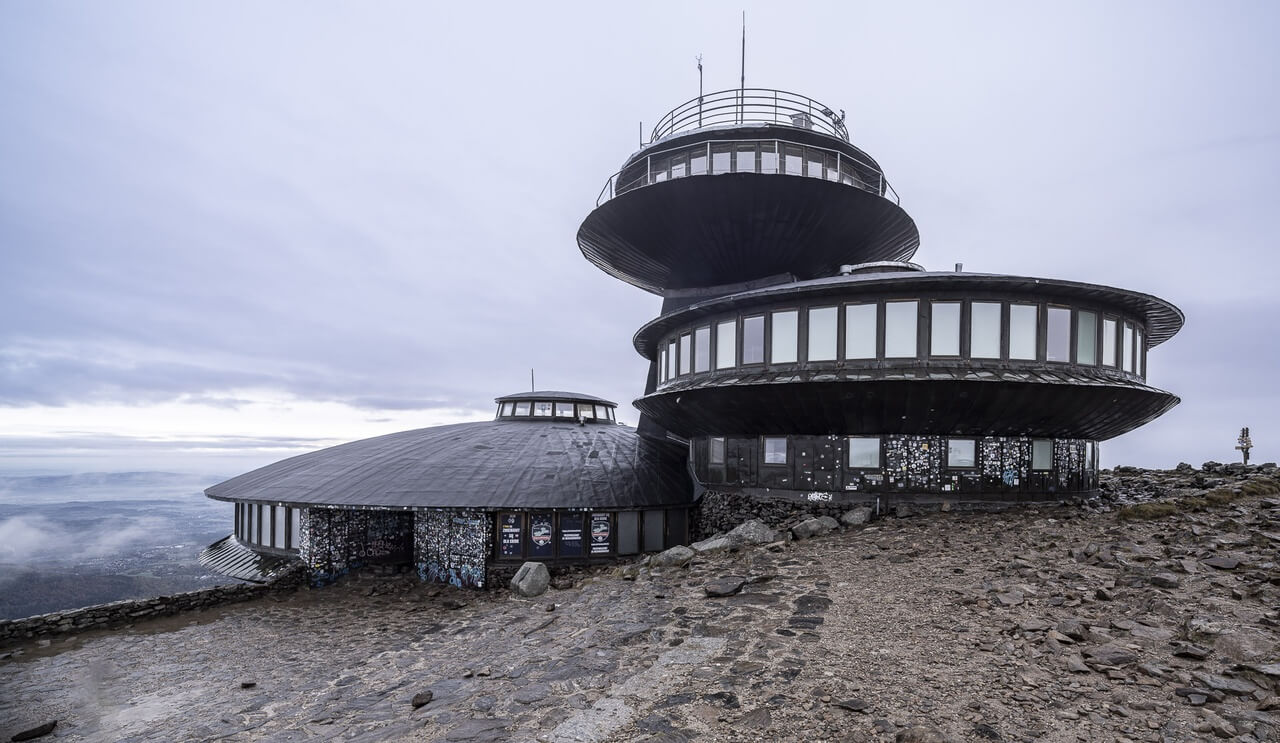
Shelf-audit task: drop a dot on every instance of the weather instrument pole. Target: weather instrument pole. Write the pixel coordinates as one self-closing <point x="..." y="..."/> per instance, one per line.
<point x="699" y="91"/>
<point x="742" y="79"/>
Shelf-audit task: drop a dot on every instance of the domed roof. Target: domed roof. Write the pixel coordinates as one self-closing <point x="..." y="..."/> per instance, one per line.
<point x="485" y="465"/>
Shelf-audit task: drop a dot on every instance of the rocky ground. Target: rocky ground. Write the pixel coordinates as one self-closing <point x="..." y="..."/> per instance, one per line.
<point x="1095" y="622"/>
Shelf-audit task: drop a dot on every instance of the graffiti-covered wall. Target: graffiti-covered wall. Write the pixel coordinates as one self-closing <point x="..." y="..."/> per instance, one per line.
<point x="452" y="546"/>
<point x="337" y="540"/>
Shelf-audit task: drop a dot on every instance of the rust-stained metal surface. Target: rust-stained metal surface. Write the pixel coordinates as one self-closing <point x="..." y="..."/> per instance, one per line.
<point x="487" y="465"/>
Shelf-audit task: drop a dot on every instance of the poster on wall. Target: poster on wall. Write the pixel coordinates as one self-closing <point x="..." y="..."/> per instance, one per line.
<point x="571" y="535"/>
<point x="509" y="536"/>
<point x="600" y="532"/>
<point x="540" y="537"/>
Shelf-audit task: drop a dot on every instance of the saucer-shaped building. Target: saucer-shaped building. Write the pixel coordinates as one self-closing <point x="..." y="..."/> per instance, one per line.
<point x="553" y="477"/>
<point x="802" y="356"/>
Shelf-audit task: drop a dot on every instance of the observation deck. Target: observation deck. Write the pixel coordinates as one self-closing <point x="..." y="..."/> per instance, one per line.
<point x="661" y="223"/>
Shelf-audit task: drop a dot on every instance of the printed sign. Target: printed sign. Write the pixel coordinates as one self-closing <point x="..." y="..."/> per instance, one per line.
<point x="600" y="533"/>
<point x="570" y="535"/>
<point x="540" y="544"/>
<point x="509" y="538"/>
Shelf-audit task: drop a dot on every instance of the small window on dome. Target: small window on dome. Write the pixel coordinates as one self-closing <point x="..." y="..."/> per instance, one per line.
<point x="585" y="411"/>
<point x="522" y="408"/>
<point x="602" y="412"/>
<point x="564" y="410"/>
<point x="542" y="409"/>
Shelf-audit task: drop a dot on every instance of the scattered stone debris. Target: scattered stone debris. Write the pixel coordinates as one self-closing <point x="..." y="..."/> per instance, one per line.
<point x="422" y="699"/>
<point x="36" y="732"/>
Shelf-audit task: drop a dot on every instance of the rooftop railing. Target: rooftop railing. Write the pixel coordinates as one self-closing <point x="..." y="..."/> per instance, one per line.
<point x="742" y="106"/>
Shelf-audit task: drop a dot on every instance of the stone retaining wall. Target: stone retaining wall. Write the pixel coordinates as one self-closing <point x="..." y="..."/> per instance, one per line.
<point x="719" y="512"/>
<point x="118" y="613"/>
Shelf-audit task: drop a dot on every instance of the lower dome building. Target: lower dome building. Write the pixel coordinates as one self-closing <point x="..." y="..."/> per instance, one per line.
<point x="552" y="478"/>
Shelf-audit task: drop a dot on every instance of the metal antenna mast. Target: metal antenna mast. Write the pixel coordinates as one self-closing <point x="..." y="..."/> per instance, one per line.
<point x="742" y="80"/>
<point x="699" y="90"/>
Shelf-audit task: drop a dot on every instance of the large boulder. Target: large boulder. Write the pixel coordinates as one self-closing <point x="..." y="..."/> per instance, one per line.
<point x="754" y="531"/>
<point x="531" y="579"/>
<point x="814" y="527"/>
<point x="677" y="556"/>
<point x="715" y="544"/>
<point x="856" y="517"/>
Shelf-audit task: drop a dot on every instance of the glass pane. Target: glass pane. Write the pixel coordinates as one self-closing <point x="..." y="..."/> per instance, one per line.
<point x="1089" y="449"/>
<point x="744" y="159"/>
<point x="768" y="157"/>
<point x="822" y="334"/>
<point x="653" y="531"/>
<point x="698" y="161"/>
<point x="564" y="409"/>
<point x="1126" y="357"/>
<point x="1022" y="331"/>
<point x="960" y="453"/>
<point x="726" y="344"/>
<point x="782" y="349"/>
<point x="686" y="358"/>
<point x="601" y="534"/>
<point x="522" y="408"/>
<point x="900" y="330"/>
<point x="280" y="525"/>
<point x="585" y="411"/>
<point x="984" y="330"/>
<point x="295" y="528"/>
<point x="775" y="450"/>
<point x="864" y="452"/>
<point x="542" y="408"/>
<point x="662" y="365"/>
<point x="570" y="535"/>
<point x="813" y="163"/>
<point x="1041" y="454"/>
<point x="1138" y="356"/>
<point x="253" y="522"/>
<point x="721" y="158"/>
<point x="679" y="165"/>
<point x="602" y="412"/>
<point x="540" y="530"/>
<point x="628" y="533"/>
<point x="944" y="330"/>
<point x="1058" y="335"/>
<point x="860" y="331"/>
<point x="1086" y="338"/>
<point x="702" y="349"/>
<point x="753" y="340"/>
<point x="717" y="450"/>
<point x="671" y="359"/>
<point x="794" y="160"/>
<point x="510" y="529"/>
<point x="1108" y="342"/>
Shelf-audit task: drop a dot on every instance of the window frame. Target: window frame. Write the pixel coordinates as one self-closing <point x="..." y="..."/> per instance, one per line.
<point x="973" y="444"/>
<point x="848" y="453"/>
<point x="764" y="451"/>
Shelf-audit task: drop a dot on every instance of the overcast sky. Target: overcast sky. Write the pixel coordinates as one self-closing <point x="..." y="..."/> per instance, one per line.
<point x="230" y="232"/>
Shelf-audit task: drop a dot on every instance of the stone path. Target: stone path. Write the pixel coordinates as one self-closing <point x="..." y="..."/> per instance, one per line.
<point x="1044" y="624"/>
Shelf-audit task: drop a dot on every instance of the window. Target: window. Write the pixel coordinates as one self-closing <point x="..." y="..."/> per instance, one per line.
<point x="662" y="365"/>
<point x="1023" y="319"/>
<point x="564" y="410"/>
<point x="1126" y="357"/>
<point x="775" y="450"/>
<point x="900" y="330"/>
<point x="794" y="159"/>
<point x="782" y="350"/>
<point x="698" y="162"/>
<point x="1042" y="454"/>
<point x="721" y="157"/>
<point x="671" y="359"/>
<point x="602" y="412"/>
<point x="727" y="344"/>
<point x="295" y="528"/>
<point x="686" y="358"/>
<point x="984" y="330"/>
<point x="860" y="331"/>
<point x="944" y="329"/>
<point x="522" y="408"/>
<point x="864" y="452"/>
<point x="1138" y="348"/>
<point x="702" y="349"/>
<point x="1108" y="342"/>
<point x="510" y="529"/>
<point x="628" y="532"/>
<point x="717" y="450"/>
<point x="1086" y="338"/>
<point x="653" y="536"/>
<point x="768" y="157"/>
<point x="1090" y="456"/>
<point x="962" y="453"/>
<point x="822" y="334"/>
<point x="278" y="527"/>
<point x="1058" y="335"/>
<point x="542" y="409"/>
<point x="571" y="535"/>
<point x="541" y="529"/>
<point x="753" y="340"/>
<point x="253" y="522"/>
<point x="585" y="411"/>
<point x="744" y="158"/>
<point x="505" y="409"/>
